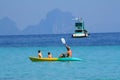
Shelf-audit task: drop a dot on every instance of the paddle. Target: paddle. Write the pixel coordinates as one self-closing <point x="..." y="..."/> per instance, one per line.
<point x="63" y="41"/>
<point x="66" y="54"/>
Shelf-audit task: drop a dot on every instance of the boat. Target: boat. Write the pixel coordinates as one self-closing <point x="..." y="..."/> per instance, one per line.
<point x="79" y="29"/>
<point x="36" y="59"/>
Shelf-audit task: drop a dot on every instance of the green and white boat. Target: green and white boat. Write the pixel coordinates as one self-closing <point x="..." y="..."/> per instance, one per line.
<point x="79" y="29"/>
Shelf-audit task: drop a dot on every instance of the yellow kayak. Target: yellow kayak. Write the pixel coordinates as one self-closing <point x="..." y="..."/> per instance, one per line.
<point x="35" y="59"/>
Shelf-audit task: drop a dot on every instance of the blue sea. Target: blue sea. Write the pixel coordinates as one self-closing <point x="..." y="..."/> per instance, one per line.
<point x="100" y="54"/>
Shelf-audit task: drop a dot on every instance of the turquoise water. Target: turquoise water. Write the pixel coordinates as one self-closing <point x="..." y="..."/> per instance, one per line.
<point x="100" y="54"/>
<point x="98" y="63"/>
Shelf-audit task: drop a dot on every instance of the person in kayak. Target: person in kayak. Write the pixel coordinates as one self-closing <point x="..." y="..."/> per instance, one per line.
<point x="49" y="55"/>
<point x="39" y="54"/>
<point x="69" y="52"/>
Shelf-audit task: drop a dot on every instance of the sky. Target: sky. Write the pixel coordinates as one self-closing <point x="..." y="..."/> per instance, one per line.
<point x="98" y="15"/>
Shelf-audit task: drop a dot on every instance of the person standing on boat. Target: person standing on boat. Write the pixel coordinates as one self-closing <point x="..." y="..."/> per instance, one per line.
<point x="39" y="54"/>
<point x="49" y="55"/>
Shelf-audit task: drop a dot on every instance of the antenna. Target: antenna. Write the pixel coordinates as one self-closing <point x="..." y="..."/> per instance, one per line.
<point x="78" y="19"/>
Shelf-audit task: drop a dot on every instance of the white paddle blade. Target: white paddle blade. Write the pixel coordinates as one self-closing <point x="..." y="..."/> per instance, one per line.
<point x="63" y="40"/>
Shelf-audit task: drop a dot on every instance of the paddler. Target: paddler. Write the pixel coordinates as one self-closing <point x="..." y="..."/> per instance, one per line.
<point x="69" y="52"/>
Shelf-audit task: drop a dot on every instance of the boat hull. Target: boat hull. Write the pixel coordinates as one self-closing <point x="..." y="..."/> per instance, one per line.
<point x="36" y="59"/>
<point x="78" y="35"/>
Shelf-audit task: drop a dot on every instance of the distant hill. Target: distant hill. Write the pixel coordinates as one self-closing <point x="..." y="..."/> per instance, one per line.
<point x="8" y="27"/>
<point x="56" y="22"/>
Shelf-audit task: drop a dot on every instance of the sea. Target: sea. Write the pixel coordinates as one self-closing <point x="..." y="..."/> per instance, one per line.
<point x="100" y="54"/>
